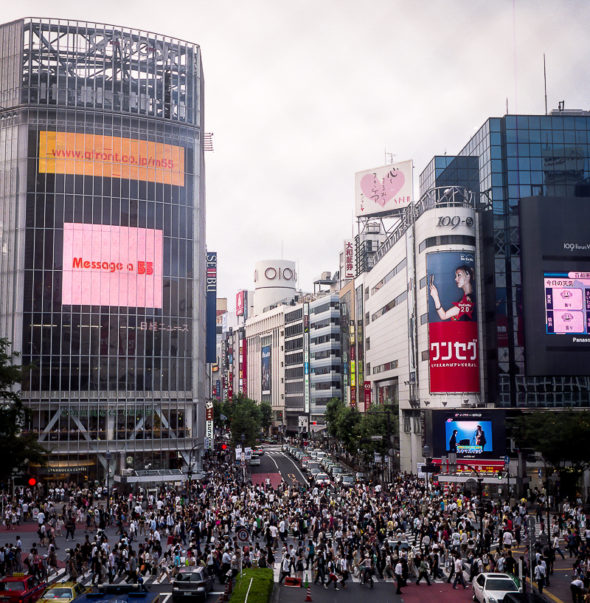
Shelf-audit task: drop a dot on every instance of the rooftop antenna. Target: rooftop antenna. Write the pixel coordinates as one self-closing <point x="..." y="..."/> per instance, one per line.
<point x="389" y="156"/>
<point x="545" y="81"/>
<point x="507" y="112"/>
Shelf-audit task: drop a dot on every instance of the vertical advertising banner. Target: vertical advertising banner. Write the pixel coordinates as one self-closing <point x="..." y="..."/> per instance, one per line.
<point x="367" y="395"/>
<point x="211" y="300"/>
<point x="452" y="322"/>
<point x="240" y="303"/>
<point x="348" y="259"/>
<point x="266" y="369"/>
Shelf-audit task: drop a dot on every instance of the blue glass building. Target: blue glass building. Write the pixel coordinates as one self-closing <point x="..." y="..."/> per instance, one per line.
<point x="509" y="159"/>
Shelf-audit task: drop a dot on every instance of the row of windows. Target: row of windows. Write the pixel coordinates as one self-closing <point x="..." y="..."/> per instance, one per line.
<point x="326" y="338"/>
<point x="113" y="373"/>
<point x="293" y="330"/>
<point x="446" y="240"/>
<point x="48" y="211"/>
<point x="386" y="366"/>
<point x="325" y="370"/>
<point x="294" y="315"/>
<point x="293" y="359"/>
<point x="326" y="385"/>
<point x="324" y="307"/>
<point x="294" y="373"/>
<point x="326" y="323"/>
<point x="294" y="344"/>
<point x="389" y="306"/>
<point x="397" y="269"/>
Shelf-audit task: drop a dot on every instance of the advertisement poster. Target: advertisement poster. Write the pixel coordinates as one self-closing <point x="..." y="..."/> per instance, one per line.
<point x="240" y="303"/>
<point x="452" y="322"/>
<point x="211" y="307"/>
<point x="383" y="189"/>
<point x="107" y="265"/>
<point x="266" y="369"/>
<point x="110" y="157"/>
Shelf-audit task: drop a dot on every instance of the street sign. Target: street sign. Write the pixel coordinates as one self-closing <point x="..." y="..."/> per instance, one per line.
<point x="243" y="535"/>
<point x="506" y="460"/>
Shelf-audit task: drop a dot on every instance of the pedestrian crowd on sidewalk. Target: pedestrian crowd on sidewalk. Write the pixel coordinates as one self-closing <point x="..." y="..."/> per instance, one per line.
<point x="403" y="530"/>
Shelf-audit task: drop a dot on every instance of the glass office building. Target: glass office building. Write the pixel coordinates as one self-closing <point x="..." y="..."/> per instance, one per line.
<point x="509" y="159"/>
<point x="102" y="237"/>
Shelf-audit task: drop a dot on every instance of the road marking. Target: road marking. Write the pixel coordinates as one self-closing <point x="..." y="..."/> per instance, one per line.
<point x="296" y="469"/>
<point x="168" y="595"/>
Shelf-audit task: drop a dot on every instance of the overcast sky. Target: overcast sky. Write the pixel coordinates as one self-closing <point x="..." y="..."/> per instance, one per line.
<point x="300" y="95"/>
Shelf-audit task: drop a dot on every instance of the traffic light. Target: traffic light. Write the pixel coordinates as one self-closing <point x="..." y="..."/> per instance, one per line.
<point x="32" y="481"/>
<point x="224" y="447"/>
<point x="500" y="474"/>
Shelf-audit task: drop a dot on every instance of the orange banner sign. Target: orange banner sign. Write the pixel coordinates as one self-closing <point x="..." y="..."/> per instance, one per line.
<point x="110" y="157"/>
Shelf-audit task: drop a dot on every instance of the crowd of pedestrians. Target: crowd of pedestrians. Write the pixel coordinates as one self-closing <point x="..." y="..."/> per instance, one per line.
<point x="403" y="530"/>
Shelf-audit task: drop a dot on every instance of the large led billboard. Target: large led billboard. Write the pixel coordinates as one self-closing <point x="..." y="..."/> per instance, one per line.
<point x="110" y="157"/>
<point x="112" y="266"/>
<point x="556" y="284"/>
<point x="452" y="322"/>
<point x="469" y="433"/>
<point x="383" y="190"/>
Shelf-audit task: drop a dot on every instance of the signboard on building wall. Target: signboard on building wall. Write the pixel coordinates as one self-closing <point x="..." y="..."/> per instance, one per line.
<point x="348" y="267"/>
<point x="211" y="301"/>
<point x="110" y="157"/>
<point x="383" y="190"/>
<point x="266" y="374"/>
<point x="367" y="395"/>
<point x="452" y="322"/>
<point x="209" y="431"/>
<point x="306" y="381"/>
<point x="106" y="265"/>
<point x="240" y="303"/>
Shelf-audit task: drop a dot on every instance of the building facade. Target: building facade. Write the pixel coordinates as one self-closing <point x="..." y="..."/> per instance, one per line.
<point x="102" y="207"/>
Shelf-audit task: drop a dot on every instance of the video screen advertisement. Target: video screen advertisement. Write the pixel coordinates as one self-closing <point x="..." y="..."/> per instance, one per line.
<point x="469" y="434"/>
<point x="108" y="262"/>
<point x="555" y="250"/>
<point x="452" y="322"/>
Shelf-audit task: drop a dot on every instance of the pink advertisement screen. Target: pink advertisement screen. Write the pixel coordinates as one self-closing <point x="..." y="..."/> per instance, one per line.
<point x="112" y="266"/>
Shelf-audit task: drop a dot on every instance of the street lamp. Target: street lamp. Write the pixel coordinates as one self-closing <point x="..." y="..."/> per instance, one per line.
<point x="107" y="457"/>
<point x="190" y="473"/>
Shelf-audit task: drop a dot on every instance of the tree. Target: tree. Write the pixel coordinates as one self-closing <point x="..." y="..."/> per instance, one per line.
<point x="561" y="438"/>
<point x="244" y="417"/>
<point x="333" y="408"/>
<point x="266" y="416"/>
<point x="16" y="446"/>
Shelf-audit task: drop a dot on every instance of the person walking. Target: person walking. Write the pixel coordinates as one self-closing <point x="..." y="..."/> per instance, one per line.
<point x="459" y="573"/>
<point x="399" y="576"/>
<point x="423" y="569"/>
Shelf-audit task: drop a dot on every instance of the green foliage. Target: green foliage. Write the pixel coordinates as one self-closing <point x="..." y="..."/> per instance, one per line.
<point x="260" y="590"/>
<point x="355" y="430"/>
<point x="266" y="413"/>
<point x="561" y="437"/>
<point x="16" y="447"/>
<point x="244" y="417"/>
<point x="334" y="407"/>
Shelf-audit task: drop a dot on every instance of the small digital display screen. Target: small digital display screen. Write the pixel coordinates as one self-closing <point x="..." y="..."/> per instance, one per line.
<point x="567" y="302"/>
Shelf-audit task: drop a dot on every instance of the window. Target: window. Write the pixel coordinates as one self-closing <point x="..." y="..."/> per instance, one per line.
<point x="368" y="343"/>
<point x="389" y="276"/>
<point x="446" y="240"/>
<point x="424" y="355"/>
<point x="392" y="304"/>
<point x="387" y="366"/>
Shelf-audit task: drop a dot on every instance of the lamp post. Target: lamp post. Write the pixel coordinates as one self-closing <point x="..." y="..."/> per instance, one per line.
<point x="107" y="457"/>
<point x="190" y="473"/>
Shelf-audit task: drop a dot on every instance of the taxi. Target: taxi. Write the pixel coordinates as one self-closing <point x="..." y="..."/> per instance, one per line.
<point x="21" y="588"/>
<point x="63" y="592"/>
